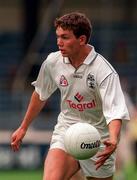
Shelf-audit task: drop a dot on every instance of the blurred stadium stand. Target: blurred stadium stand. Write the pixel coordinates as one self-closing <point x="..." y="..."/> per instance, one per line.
<point x="114" y="36"/>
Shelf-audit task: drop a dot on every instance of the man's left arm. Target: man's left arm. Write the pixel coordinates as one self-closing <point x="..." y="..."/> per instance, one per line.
<point x="111" y="143"/>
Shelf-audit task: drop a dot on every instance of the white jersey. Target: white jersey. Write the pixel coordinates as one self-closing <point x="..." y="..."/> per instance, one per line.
<point x="90" y="93"/>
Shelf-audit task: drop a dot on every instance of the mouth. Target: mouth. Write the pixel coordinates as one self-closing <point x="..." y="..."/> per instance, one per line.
<point x="62" y="51"/>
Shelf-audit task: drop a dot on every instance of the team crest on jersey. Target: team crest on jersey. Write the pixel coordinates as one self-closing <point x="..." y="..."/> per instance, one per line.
<point x="63" y="81"/>
<point x="91" y="81"/>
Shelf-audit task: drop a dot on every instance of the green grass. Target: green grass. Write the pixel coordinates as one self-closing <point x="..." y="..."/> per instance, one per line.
<point x="130" y="173"/>
<point x="21" y="175"/>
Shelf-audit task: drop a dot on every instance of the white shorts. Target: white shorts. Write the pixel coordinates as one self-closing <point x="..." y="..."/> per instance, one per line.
<point x="87" y="166"/>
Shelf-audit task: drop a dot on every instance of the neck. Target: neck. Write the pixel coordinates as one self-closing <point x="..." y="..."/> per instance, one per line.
<point x="79" y="58"/>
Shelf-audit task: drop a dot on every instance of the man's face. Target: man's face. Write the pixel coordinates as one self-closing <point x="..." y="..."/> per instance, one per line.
<point x="68" y="44"/>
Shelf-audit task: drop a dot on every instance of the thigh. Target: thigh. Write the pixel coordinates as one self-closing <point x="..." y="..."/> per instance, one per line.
<point x="59" y="165"/>
<point x="108" y="178"/>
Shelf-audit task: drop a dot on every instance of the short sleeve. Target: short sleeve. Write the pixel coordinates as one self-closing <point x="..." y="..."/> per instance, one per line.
<point x="44" y="84"/>
<point x="113" y="101"/>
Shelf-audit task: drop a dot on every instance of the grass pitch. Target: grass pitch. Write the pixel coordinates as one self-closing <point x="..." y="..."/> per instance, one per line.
<point x="21" y="175"/>
<point x="130" y="173"/>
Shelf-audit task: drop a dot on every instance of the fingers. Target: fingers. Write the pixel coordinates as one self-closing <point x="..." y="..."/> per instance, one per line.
<point x="16" y="139"/>
<point x="15" y="142"/>
<point x="101" y="161"/>
<point x="15" y="145"/>
<point x="105" y="154"/>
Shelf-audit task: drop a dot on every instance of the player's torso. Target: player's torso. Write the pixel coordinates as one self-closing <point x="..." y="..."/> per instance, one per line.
<point x="80" y="97"/>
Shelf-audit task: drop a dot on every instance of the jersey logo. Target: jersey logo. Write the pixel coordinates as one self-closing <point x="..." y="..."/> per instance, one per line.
<point x="63" y="81"/>
<point x="78" y="97"/>
<point x="81" y="106"/>
<point x="91" y="81"/>
<point x="78" y="75"/>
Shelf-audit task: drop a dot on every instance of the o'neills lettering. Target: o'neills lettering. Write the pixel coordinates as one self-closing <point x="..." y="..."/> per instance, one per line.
<point x="81" y="106"/>
<point x="92" y="145"/>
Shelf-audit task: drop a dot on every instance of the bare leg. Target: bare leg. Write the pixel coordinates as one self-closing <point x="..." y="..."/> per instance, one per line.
<point x="59" y="165"/>
<point x="78" y="176"/>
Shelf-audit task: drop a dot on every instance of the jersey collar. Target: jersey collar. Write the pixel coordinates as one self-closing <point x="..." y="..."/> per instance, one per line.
<point x="91" y="56"/>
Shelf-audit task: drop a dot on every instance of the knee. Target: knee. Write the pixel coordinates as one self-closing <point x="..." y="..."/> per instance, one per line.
<point x="51" y="177"/>
<point x="54" y="175"/>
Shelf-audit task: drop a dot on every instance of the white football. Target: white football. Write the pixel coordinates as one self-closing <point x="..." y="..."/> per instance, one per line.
<point x="82" y="140"/>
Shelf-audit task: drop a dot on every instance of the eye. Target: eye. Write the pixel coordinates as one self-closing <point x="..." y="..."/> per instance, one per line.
<point x="65" y="37"/>
<point x="62" y="37"/>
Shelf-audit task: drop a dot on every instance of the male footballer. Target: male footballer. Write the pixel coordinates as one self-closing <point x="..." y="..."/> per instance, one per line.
<point x="90" y="92"/>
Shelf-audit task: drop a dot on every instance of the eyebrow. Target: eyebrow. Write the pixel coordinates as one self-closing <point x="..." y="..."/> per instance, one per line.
<point x="62" y="35"/>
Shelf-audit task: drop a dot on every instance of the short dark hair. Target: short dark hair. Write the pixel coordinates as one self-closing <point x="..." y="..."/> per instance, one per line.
<point x="77" y="22"/>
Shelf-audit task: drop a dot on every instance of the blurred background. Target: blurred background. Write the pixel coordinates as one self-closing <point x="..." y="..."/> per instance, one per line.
<point x="27" y="36"/>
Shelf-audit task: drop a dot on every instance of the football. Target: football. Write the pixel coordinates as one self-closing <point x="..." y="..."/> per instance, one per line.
<point x="82" y="140"/>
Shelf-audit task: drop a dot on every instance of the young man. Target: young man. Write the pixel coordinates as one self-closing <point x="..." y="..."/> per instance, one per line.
<point x="90" y="92"/>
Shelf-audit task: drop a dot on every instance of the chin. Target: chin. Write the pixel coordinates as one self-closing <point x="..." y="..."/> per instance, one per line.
<point x="64" y="55"/>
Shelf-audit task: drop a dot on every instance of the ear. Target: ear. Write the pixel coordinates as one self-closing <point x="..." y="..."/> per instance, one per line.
<point x="82" y="39"/>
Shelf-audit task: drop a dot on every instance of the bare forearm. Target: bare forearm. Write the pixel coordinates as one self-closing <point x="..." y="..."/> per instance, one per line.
<point x="114" y="130"/>
<point x="111" y="143"/>
<point x="33" y="110"/>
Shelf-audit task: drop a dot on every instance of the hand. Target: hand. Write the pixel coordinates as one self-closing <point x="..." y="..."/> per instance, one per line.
<point x="16" y="138"/>
<point x="104" y="155"/>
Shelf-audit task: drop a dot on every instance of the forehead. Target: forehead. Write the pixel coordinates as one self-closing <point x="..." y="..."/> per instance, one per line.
<point x="61" y="31"/>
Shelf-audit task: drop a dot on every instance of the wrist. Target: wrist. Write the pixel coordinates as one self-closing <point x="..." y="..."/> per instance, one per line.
<point x="114" y="143"/>
<point x="114" y="140"/>
<point x="23" y="127"/>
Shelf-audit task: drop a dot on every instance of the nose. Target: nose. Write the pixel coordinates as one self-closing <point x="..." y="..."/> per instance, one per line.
<point x="59" y="42"/>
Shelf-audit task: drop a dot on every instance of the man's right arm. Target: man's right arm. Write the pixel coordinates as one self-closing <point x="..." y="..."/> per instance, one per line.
<point x="34" y="108"/>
